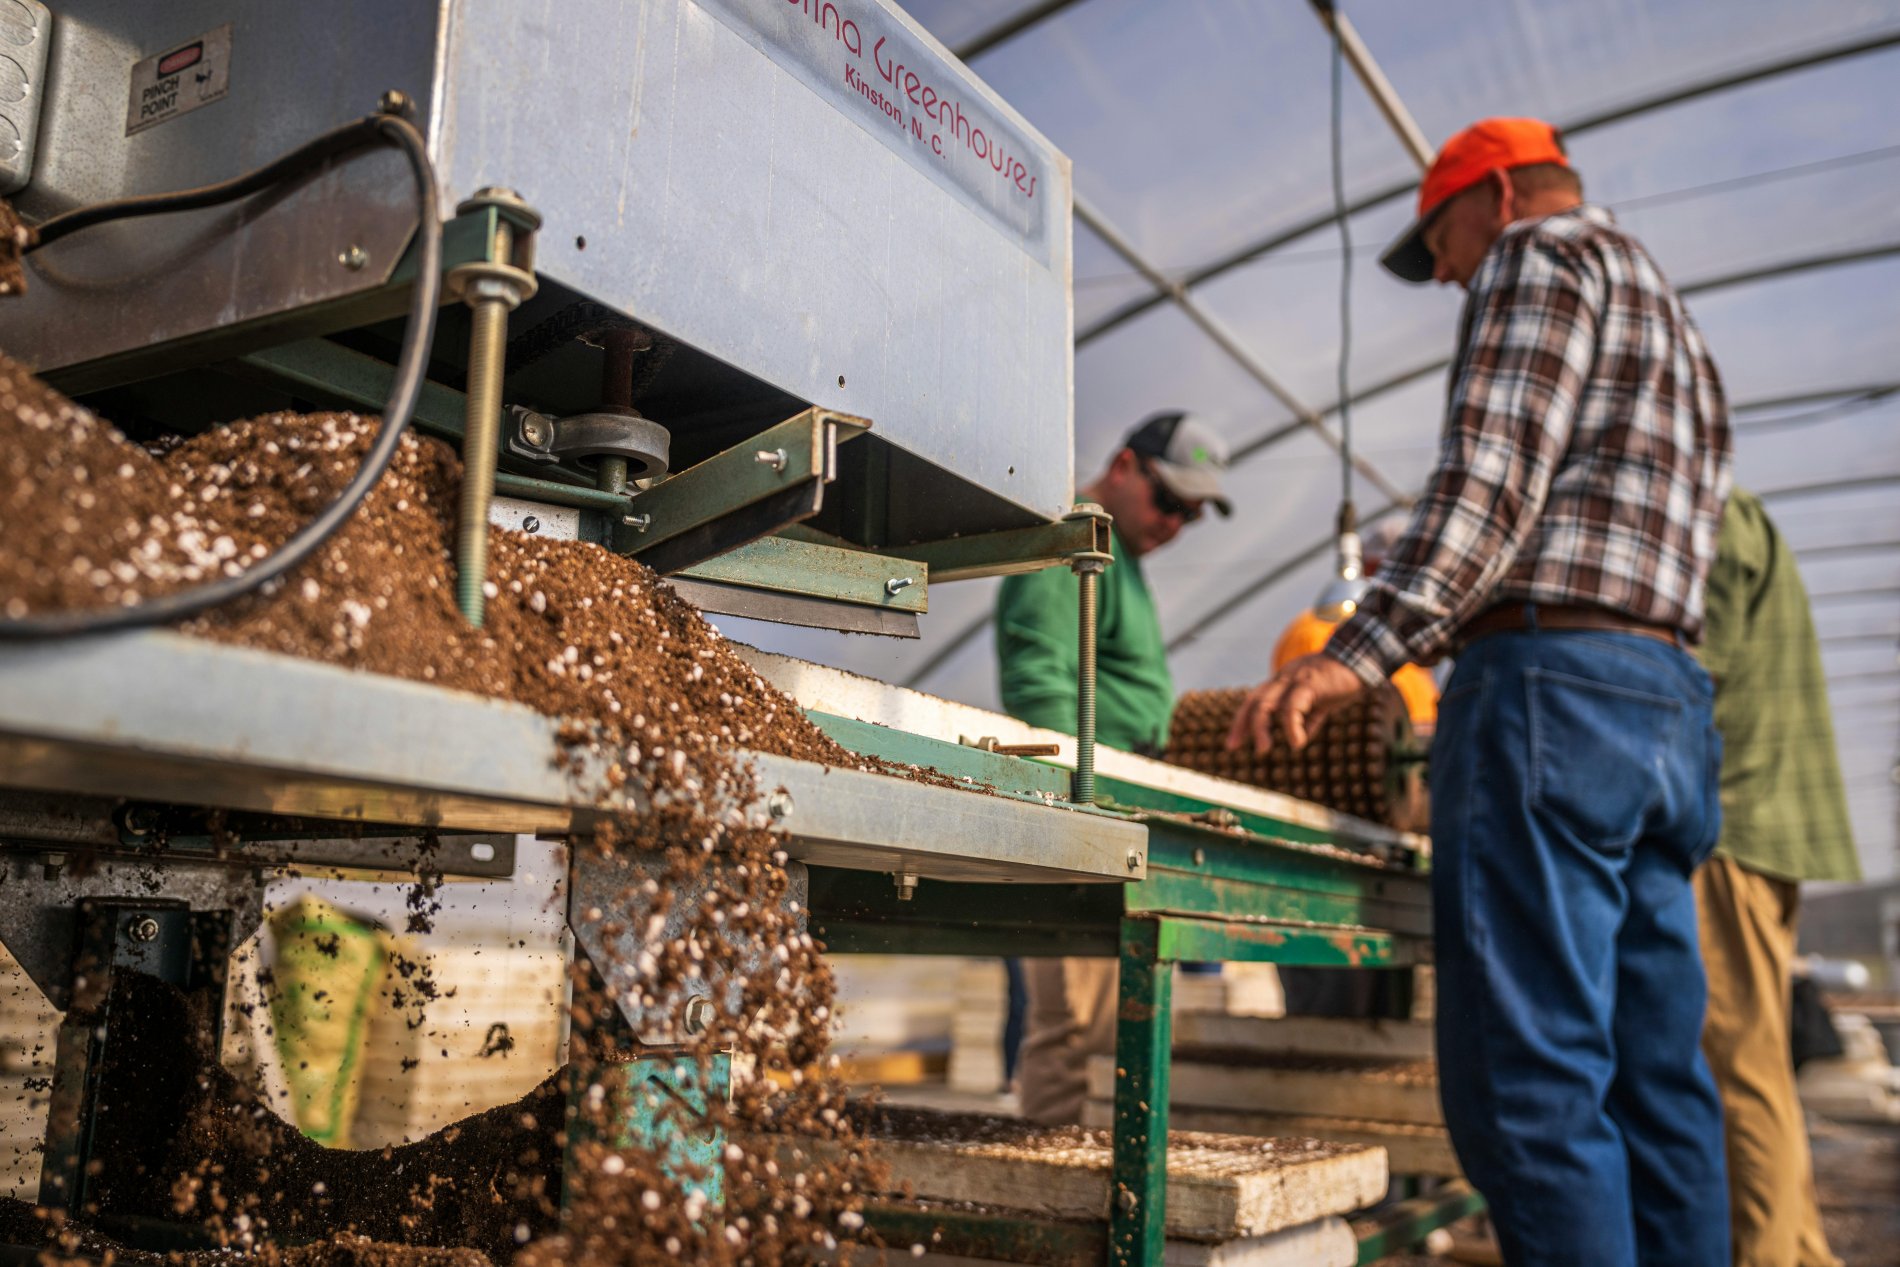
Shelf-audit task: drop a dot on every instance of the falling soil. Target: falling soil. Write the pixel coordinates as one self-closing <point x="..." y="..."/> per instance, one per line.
<point x="640" y="681"/>
<point x="181" y="1136"/>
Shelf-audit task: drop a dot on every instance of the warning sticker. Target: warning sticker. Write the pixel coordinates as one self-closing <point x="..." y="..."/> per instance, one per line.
<point x="179" y="80"/>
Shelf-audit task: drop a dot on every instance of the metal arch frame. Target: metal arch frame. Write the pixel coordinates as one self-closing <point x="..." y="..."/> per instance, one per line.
<point x="1009" y="28"/>
<point x="1708" y="87"/>
<point x="1707" y="285"/>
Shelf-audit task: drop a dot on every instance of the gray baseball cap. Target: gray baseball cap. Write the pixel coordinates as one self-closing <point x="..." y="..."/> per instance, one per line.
<point x="1187" y="455"/>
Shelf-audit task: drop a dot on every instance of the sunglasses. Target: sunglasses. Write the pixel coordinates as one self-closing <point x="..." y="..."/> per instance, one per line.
<point x="1165" y="501"/>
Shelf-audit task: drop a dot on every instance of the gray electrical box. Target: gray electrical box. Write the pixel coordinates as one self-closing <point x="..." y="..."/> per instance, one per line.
<point x="26" y="32"/>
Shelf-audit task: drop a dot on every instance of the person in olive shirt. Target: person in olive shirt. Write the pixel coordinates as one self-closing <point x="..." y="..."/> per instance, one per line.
<point x="1157" y="483"/>
<point x="1784" y="820"/>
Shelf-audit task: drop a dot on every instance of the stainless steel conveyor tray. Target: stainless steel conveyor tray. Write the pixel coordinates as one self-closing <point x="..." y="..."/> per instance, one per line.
<point x="154" y="715"/>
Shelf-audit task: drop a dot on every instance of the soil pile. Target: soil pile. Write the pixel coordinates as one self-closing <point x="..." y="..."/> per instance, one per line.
<point x="572" y="631"/>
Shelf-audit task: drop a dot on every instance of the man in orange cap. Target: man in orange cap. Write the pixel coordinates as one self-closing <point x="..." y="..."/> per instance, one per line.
<point x="1561" y="551"/>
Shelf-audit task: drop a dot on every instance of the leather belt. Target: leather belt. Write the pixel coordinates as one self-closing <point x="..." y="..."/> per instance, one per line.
<point x="1507" y="617"/>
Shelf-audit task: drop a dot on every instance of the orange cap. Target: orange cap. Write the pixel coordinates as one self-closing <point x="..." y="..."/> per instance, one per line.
<point x="1489" y="145"/>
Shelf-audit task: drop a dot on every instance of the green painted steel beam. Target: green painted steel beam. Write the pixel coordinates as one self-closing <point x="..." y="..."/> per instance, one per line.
<point x="998" y="770"/>
<point x="1137" y="796"/>
<point x="328" y="371"/>
<point x="1225" y="941"/>
<point x="1144" y="1041"/>
<point x="1180" y="893"/>
<point x="1012" y="550"/>
<point x="860" y="912"/>
<point x="1410" y="1222"/>
<point x="1282" y="863"/>
<point x="790" y="462"/>
<point x="819" y="571"/>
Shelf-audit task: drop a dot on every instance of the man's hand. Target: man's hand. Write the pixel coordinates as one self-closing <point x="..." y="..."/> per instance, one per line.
<point x="1302" y="694"/>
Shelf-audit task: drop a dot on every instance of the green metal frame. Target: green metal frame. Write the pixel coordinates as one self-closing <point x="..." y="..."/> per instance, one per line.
<point x="820" y="571"/>
<point x="1261" y="890"/>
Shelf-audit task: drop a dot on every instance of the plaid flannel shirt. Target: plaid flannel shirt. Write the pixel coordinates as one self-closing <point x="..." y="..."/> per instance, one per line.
<point x="1585" y="457"/>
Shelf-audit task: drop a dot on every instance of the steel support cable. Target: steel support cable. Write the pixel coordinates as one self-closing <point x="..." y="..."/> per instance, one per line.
<point x="1576" y="127"/>
<point x="411" y="366"/>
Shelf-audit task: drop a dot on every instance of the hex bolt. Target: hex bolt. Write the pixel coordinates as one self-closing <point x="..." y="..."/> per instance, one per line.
<point x="530" y="524"/>
<point x="353" y="258"/>
<point x="906" y="885"/>
<point x="639" y="523"/>
<point x="774" y="458"/>
<point x="1134" y="859"/>
<point x="144" y="928"/>
<point x="898" y="584"/>
<point x="394" y="101"/>
<point x="779" y="805"/>
<point x="697" y="1015"/>
<point x="535" y="431"/>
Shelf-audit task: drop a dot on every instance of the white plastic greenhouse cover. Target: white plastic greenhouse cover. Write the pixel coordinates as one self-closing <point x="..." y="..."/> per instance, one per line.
<point x="1754" y="145"/>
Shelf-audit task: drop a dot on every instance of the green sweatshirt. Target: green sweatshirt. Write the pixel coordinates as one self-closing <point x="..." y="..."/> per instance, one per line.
<point x="1784" y="807"/>
<point x="1036" y="619"/>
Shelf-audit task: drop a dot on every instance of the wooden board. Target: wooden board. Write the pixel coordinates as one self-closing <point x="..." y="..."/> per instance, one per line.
<point x="1306" y="1036"/>
<point x="1326" y="1242"/>
<point x="1385" y="1091"/>
<point x="1410" y="1149"/>
<point x="1220" y="1187"/>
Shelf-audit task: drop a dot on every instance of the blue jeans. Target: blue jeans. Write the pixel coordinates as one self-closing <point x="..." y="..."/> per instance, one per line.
<point x="1573" y="791"/>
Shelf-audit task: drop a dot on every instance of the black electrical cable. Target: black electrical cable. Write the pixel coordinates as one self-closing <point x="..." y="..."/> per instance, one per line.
<point x="1342" y="215"/>
<point x="411" y="365"/>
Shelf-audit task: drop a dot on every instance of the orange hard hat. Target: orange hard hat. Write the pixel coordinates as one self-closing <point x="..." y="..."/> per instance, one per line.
<point x="1489" y="145"/>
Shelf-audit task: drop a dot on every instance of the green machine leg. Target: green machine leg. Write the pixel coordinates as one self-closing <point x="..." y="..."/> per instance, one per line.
<point x="1144" y="1035"/>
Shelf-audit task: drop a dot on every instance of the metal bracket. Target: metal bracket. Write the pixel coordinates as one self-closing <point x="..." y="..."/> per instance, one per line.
<point x="733" y="498"/>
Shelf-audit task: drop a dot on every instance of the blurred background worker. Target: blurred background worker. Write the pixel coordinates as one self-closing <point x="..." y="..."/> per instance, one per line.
<point x="1158" y="482"/>
<point x="1310" y="630"/>
<point x="1362" y="992"/>
<point x="1784" y="820"/>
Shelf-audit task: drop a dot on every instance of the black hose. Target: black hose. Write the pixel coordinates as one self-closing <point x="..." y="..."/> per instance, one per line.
<point x="411" y="366"/>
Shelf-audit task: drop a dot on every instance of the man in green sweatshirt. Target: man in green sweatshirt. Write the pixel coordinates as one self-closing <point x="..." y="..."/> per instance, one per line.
<point x="1784" y="820"/>
<point x="1161" y="479"/>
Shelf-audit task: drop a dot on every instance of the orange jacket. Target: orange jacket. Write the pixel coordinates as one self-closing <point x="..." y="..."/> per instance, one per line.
<point x="1308" y="633"/>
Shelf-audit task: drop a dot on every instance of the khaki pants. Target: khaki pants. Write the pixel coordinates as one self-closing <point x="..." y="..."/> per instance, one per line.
<point x="1748" y="935"/>
<point x="1072" y="1006"/>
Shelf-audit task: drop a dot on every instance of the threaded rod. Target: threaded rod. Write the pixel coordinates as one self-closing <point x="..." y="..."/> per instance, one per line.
<point x="1084" y="789"/>
<point x="481" y="438"/>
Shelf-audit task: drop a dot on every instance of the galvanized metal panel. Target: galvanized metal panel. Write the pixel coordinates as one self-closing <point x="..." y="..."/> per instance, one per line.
<point x="725" y="200"/>
<point x="157" y="716"/>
